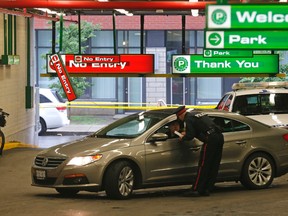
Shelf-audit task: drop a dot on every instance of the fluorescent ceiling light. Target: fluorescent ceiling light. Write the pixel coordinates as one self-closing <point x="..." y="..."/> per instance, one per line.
<point x="194" y="12"/>
<point x="48" y="11"/>
<point x="122" y="11"/>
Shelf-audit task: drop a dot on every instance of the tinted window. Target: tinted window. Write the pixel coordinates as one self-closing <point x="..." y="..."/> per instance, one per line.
<point x="261" y="104"/>
<point x="229" y="125"/>
<point x="59" y="98"/>
<point x="225" y="103"/>
<point x="44" y="99"/>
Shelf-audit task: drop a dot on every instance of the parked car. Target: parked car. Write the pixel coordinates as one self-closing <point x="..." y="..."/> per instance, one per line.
<point x="135" y="152"/>
<point x="52" y="110"/>
<point x="266" y="102"/>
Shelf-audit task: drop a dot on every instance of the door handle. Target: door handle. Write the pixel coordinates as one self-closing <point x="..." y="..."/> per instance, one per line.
<point x="241" y="142"/>
<point x="195" y="148"/>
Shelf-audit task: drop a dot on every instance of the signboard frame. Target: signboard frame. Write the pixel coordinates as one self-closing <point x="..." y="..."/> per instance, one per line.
<point x="250" y="16"/>
<point x="269" y="40"/>
<point x="213" y="65"/>
<point x="133" y="63"/>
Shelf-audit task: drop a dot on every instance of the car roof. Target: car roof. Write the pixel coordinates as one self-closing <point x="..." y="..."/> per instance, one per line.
<point x="171" y="111"/>
<point x="257" y="91"/>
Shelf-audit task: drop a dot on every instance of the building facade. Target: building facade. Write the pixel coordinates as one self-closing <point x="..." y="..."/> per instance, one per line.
<point x="163" y="37"/>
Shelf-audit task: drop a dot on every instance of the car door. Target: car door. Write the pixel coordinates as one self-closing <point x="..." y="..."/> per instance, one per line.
<point x="170" y="160"/>
<point x="237" y="142"/>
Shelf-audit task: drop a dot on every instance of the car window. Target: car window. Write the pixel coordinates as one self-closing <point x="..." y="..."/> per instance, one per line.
<point x="44" y="99"/>
<point x="168" y="128"/>
<point x="58" y="96"/>
<point x="229" y="125"/>
<point x="225" y="103"/>
<point x="130" y="126"/>
<point x="258" y="104"/>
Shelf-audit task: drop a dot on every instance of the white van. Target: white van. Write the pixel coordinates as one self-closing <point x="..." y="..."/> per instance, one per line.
<point x="266" y="102"/>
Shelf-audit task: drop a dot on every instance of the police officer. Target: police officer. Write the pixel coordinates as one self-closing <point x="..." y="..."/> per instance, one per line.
<point x="199" y="125"/>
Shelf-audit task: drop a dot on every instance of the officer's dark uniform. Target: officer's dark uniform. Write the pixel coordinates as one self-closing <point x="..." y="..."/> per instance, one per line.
<point x="199" y="125"/>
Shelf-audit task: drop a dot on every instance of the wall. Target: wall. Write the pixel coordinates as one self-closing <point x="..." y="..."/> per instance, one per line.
<point x="126" y="23"/>
<point x="21" y="122"/>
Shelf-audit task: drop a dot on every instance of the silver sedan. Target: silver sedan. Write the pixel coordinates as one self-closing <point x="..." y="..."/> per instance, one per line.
<point x="137" y="152"/>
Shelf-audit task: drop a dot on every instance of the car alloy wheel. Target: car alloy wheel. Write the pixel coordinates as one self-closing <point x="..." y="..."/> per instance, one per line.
<point x="119" y="180"/>
<point x="126" y="180"/>
<point x="258" y="171"/>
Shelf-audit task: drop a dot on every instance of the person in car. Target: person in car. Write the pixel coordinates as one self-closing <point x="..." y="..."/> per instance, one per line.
<point x="199" y="125"/>
<point x="174" y="126"/>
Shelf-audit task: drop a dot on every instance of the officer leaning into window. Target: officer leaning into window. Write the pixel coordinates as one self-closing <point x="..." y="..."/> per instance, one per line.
<point x="199" y="125"/>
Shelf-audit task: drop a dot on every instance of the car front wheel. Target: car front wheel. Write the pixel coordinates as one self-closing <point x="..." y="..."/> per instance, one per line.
<point x="258" y="171"/>
<point x="119" y="180"/>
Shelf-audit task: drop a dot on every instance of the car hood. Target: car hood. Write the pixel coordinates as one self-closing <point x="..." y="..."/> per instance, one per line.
<point x="275" y="120"/>
<point x="86" y="146"/>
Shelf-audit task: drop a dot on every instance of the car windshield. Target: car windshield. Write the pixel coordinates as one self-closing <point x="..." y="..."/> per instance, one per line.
<point x="261" y="104"/>
<point x="131" y="126"/>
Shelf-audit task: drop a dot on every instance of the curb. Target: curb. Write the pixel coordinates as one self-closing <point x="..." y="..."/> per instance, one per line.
<point x="12" y="145"/>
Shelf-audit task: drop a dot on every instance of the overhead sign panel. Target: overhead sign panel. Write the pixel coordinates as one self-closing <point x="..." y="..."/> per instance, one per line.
<point x="227" y="53"/>
<point x="57" y="64"/>
<point x="198" y="64"/>
<point x="109" y="64"/>
<point x="243" y="16"/>
<point x="261" y="40"/>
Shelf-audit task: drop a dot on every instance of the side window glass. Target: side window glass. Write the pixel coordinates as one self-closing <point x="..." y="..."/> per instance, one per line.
<point x="221" y="104"/>
<point x="224" y="124"/>
<point x="170" y="128"/>
<point x="239" y="126"/>
<point x="44" y="99"/>
<point x="228" y="103"/>
<point x="229" y="125"/>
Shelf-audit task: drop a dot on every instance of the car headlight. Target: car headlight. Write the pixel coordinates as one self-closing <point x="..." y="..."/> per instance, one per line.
<point x="81" y="161"/>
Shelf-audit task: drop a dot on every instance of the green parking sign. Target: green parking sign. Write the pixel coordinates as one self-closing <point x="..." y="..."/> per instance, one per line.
<point x="198" y="64"/>
<point x="265" y="16"/>
<point x="248" y="40"/>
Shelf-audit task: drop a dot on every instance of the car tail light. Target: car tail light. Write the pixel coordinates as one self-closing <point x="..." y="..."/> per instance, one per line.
<point x="61" y="108"/>
<point x="285" y="137"/>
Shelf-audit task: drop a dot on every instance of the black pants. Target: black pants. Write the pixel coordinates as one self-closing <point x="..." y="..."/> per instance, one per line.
<point x="208" y="166"/>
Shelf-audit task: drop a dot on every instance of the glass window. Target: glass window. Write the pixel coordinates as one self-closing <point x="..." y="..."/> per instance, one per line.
<point x="41" y="59"/>
<point x="135" y="90"/>
<point x="103" y="39"/>
<point x="192" y="39"/>
<point x="200" y="38"/>
<point x="44" y="99"/>
<point x="44" y="38"/>
<point x="104" y="88"/>
<point x="229" y="125"/>
<point x="128" y="38"/>
<point x="155" y="39"/>
<point x="261" y="104"/>
<point x="102" y="50"/>
<point x="225" y="103"/>
<point x="214" y="86"/>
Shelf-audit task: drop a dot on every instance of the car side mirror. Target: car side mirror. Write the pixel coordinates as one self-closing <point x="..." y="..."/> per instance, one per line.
<point x="158" y="137"/>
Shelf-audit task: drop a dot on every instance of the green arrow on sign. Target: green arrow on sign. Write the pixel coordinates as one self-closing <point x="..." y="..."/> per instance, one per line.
<point x="261" y="40"/>
<point x="215" y="39"/>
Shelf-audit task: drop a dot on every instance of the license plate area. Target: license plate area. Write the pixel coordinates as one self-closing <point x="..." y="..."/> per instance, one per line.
<point x="40" y="174"/>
